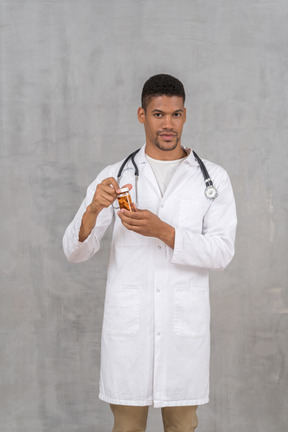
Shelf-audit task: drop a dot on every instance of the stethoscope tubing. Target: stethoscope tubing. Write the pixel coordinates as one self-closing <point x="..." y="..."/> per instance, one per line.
<point x="132" y="157"/>
<point x="210" y="190"/>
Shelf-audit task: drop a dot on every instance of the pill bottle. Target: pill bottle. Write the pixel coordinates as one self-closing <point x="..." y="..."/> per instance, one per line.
<point x="124" y="199"/>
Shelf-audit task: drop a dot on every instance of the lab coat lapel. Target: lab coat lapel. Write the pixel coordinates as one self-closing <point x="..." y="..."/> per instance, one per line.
<point x="188" y="168"/>
<point x="147" y="177"/>
<point x="183" y="174"/>
<point x="150" y="181"/>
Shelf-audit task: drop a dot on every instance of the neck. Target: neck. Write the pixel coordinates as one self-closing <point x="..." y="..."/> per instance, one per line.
<point x="156" y="153"/>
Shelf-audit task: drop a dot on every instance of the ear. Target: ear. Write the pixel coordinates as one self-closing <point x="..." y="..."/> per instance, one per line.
<point x="141" y="115"/>
<point x="184" y="115"/>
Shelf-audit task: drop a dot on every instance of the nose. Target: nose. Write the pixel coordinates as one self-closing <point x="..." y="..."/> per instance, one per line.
<point x="167" y="122"/>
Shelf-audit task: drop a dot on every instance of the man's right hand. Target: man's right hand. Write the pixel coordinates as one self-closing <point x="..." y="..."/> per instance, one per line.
<point x="105" y="195"/>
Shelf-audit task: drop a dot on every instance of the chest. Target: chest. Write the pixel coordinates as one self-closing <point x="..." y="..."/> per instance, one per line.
<point x="183" y="204"/>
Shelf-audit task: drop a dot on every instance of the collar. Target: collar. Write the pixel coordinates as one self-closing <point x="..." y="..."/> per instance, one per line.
<point x="190" y="160"/>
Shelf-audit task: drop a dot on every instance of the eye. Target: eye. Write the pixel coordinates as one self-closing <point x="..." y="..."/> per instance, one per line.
<point x="157" y="115"/>
<point x="177" y="114"/>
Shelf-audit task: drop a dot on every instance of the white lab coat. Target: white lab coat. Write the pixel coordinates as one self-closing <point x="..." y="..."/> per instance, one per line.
<point x="155" y="337"/>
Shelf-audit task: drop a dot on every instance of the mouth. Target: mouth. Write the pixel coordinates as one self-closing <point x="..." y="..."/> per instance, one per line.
<point x="167" y="136"/>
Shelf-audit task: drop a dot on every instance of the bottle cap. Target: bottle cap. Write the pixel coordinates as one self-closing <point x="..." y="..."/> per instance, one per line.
<point x="124" y="189"/>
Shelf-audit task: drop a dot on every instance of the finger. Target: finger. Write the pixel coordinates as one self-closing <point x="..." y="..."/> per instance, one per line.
<point x="131" y="225"/>
<point x="105" y="202"/>
<point x="127" y="219"/>
<point x="137" y="215"/>
<point x="111" y="181"/>
<point x="136" y="229"/>
<point x="106" y="195"/>
<point x="108" y="189"/>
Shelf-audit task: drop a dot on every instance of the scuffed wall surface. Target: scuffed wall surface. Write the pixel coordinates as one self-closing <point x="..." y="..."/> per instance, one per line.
<point x="71" y="77"/>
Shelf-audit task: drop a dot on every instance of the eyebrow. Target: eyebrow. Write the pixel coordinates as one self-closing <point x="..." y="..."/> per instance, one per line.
<point x="158" y="110"/>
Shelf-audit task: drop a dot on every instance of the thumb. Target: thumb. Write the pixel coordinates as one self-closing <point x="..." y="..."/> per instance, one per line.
<point x="128" y="185"/>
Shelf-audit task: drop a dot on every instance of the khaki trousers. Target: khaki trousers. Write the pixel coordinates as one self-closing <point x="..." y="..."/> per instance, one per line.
<point x="134" y="418"/>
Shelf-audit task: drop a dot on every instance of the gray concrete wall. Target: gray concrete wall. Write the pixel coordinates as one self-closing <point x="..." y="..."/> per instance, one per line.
<point x="71" y="77"/>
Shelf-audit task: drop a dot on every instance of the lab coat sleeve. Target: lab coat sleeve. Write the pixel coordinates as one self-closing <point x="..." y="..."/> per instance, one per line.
<point x="76" y="251"/>
<point x="212" y="249"/>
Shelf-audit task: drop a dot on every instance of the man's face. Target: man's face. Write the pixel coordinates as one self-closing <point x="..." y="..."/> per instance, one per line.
<point x="163" y="121"/>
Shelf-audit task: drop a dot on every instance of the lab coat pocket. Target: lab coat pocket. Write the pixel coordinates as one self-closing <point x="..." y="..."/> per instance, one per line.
<point x="121" y="312"/>
<point x="191" y="311"/>
<point x="191" y="214"/>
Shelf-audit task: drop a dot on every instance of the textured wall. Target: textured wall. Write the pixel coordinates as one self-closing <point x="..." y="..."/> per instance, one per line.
<point x="71" y="76"/>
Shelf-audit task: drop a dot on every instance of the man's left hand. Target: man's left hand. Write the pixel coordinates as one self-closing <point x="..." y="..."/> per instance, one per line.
<point x="147" y="224"/>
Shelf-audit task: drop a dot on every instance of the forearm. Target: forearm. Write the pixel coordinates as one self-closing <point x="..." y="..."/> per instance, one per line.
<point x="87" y="224"/>
<point x="167" y="235"/>
<point x="74" y="250"/>
<point x="79" y="251"/>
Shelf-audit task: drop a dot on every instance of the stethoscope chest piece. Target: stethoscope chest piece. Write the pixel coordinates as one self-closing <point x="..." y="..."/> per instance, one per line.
<point x="211" y="192"/>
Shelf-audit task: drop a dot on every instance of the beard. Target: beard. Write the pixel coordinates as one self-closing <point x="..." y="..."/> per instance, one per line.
<point x="172" y="144"/>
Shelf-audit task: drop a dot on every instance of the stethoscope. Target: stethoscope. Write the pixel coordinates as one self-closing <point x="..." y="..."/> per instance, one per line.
<point x="210" y="190"/>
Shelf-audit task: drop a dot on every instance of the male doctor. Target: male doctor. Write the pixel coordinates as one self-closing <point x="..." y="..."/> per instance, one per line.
<point x="155" y="337"/>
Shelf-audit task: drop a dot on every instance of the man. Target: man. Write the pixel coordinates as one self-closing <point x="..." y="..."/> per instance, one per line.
<point x="155" y="335"/>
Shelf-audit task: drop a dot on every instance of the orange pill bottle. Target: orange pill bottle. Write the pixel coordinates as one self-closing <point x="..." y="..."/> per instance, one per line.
<point x="124" y="199"/>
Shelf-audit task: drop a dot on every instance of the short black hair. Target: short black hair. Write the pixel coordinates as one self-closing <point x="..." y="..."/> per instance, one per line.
<point x="161" y="84"/>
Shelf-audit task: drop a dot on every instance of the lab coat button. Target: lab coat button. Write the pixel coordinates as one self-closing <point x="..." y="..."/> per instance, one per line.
<point x="159" y="247"/>
<point x="162" y="205"/>
<point x="158" y="290"/>
<point x="158" y="333"/>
